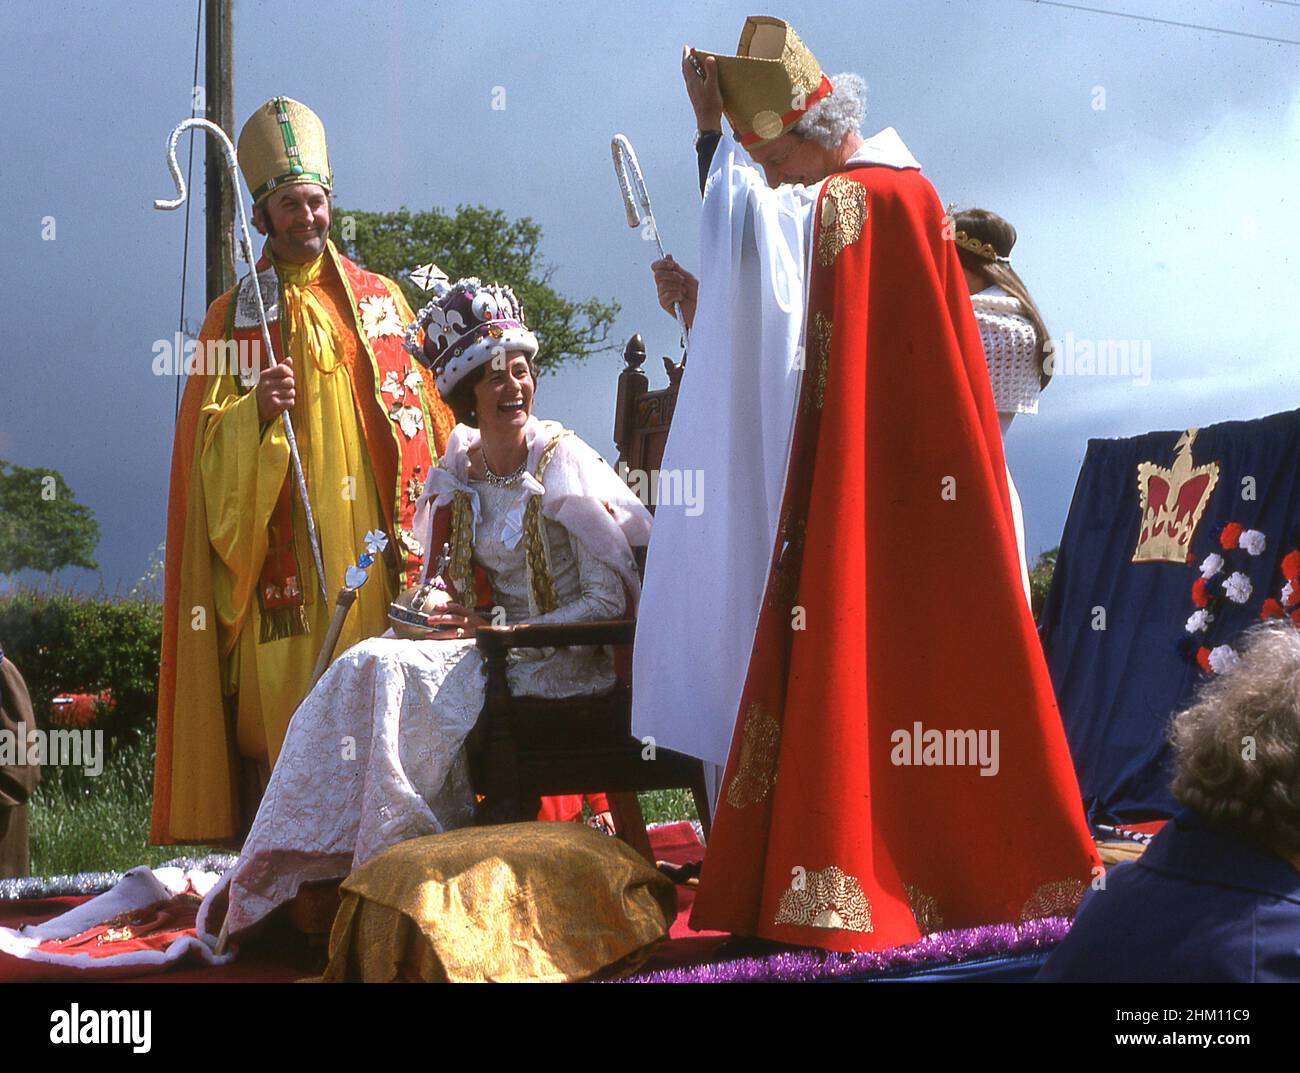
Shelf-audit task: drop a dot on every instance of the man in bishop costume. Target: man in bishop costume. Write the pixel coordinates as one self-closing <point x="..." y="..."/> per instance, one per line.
<point x="844" y="621"/>
<point x="243" y="614"/>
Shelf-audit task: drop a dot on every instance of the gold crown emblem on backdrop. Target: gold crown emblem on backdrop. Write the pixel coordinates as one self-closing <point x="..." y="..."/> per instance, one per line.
<point x="1172" y="501"/>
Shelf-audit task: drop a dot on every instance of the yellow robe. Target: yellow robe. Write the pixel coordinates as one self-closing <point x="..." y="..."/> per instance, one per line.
<point x="240" y="487"/>
<point x="237" y="469"/>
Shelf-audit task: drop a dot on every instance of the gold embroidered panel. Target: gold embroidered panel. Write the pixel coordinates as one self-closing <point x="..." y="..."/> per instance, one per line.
<point x="760" y="746"/>
<point x="784" y="589"/>
<point x="828" y="898"/>
<point x="462" y="548"/>
<point x="925" y="910"/>
<point x="541" y="583"/>
<point x="843" y="214"/>
<point x="1059" y="898"/>
<point x="821" y="355"/>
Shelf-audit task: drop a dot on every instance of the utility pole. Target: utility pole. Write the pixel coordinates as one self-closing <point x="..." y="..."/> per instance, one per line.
<point x="218" y="35"/>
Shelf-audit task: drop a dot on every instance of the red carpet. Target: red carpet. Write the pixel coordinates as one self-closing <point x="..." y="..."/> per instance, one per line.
<point x="284" y="955"/>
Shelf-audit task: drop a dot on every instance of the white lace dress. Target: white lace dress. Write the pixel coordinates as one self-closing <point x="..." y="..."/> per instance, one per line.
<point x="375" y="754"/>
<point x="1011" y="350"/>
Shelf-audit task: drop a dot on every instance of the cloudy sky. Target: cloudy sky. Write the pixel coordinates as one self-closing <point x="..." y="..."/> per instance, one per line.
<point x="1150" y="169"/>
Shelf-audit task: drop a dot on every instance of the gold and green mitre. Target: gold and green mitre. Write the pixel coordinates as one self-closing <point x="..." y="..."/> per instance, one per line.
<point x="283" y="143"/>
<point x="771" y="81"/>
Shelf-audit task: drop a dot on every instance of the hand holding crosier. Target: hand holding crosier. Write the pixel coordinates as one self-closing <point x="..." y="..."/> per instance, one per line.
<point x="275" y="392"/>
<point x="674" y="284"/>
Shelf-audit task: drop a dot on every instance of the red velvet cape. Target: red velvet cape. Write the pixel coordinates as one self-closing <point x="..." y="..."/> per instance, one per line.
<point x="894" y="598"/>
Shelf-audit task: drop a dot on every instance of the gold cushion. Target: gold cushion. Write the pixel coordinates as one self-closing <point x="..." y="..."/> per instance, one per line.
<point x="523" y="901"/>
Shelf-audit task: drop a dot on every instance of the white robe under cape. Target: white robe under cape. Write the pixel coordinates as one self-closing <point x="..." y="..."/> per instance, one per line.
<point x="733" y="426"/>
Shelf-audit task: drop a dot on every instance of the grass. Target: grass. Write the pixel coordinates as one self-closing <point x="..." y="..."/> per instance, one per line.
<point x="83" y="824"/>
<point x="666" y="806"/>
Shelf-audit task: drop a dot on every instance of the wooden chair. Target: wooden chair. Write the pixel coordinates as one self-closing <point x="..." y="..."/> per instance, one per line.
<point x="524" y="748"/>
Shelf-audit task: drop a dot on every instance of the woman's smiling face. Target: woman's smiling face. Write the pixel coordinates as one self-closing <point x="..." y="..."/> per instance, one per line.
<point x="503" y="399"/>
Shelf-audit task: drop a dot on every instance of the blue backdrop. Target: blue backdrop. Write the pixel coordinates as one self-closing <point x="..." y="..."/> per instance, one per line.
<point x="1119" y="685"/>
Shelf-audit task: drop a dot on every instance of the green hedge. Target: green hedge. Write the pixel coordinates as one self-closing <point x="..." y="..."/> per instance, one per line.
<point x="65" y="643"/>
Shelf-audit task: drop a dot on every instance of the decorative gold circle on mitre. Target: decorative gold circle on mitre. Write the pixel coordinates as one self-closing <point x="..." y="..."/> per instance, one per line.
<point x="767" y="125"/>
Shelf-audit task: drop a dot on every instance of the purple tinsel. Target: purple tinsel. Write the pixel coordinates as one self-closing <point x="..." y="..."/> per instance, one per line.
<point x="807" y="966"/>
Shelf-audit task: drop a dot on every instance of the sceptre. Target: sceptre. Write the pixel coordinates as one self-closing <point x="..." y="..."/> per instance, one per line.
<point x="636" y="203"/>
<point x="246" y="247"/>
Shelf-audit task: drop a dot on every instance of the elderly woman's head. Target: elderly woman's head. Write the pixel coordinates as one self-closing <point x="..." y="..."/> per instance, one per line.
<point x="1237" y="747"/>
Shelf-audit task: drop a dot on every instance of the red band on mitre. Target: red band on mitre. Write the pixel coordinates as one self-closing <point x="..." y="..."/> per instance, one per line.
<point x="821" y="91"/>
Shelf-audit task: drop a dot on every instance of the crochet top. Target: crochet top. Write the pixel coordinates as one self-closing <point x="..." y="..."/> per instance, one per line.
<point x="1011" y="350"/>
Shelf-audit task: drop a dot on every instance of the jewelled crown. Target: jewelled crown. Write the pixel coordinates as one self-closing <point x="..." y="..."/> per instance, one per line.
<point x="466" y="325"/>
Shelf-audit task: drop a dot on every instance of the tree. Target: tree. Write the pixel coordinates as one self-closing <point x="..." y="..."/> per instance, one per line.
<point x="482" y="242"/>
<point x="1040" y="578"/>
<point x="42" y="526"/>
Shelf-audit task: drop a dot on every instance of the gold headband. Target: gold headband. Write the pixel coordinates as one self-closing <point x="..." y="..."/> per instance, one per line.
<point x="980" y="249"/>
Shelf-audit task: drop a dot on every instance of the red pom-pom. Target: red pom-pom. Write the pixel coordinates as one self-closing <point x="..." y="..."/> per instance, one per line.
<point x="1230" y="535"/>
<point x="1271" y="609"/>
<point x="1295" y="617"/>
<point x="1203" y="658"/>
<point x="1200" y="597"/>
<point x="1291" y="566"/>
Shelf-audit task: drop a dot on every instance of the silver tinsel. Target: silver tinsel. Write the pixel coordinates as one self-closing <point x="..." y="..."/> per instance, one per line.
<point x="17" y="890"/>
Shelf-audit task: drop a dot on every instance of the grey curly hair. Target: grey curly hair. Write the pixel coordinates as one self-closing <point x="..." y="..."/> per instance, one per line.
<point x="835" y="115"/>
<point x="1237" y="747"/>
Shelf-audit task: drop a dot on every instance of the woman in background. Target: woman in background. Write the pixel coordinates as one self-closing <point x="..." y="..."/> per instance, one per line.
<point x="1016" y="343"/>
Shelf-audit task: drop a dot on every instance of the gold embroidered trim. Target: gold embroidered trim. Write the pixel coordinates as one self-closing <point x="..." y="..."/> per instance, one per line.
<point x="784" y="589"/>
<point x="925" y="910"/>
<point x="1056" y="899"/>
<point x="825" y="899"/>
<point x="843" y="214"/>
<point x="541" y="583"/>
<point x="461" y="539"/>
<point x="759" y="750"/>
<point x="821" y="355"/>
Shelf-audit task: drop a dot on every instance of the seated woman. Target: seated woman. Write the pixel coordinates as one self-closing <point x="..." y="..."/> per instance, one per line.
<point x="1216" y="895"/>
<point x="375" y="754"/>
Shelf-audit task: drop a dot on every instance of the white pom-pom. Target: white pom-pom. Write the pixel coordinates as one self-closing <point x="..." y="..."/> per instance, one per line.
<point x="1223" y="659"/>
<point x="1238" y="588"/>
<point x="1287" y="593"/>
<point x="1253" y="541"/>
<point x="1212" y="565"/>
<point x="1199" y="620"/>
